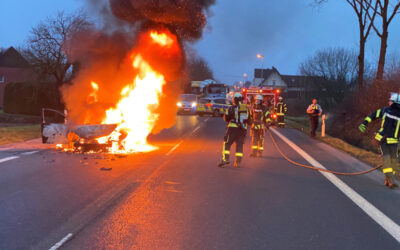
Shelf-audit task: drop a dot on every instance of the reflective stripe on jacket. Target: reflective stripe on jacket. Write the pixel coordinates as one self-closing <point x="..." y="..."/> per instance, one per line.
<point x="390" y="124"/>
<point x="237" y="116"/>
<point x="281" y="108"/>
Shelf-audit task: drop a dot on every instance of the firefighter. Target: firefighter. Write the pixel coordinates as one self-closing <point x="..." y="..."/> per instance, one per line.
<point x="281" y="110"/>
<point x="387" y="136"/>
<point x="237" y="117"/>
<point x="314" y="111"/>
<point x="259" y="115"/>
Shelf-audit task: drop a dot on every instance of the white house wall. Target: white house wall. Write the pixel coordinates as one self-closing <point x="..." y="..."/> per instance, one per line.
<point x="274" y="80"/>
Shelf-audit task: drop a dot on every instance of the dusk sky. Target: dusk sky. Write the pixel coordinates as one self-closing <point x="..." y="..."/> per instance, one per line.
<point x="284" y="31"/>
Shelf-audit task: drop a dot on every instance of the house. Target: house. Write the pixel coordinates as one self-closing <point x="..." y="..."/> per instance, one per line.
<point x="269" y="78"/>
<point x="13" y="68"/>
<point x="292" y="86"/>
<point x="302" y="87"/>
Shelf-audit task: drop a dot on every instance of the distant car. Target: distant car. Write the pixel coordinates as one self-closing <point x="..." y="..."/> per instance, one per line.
<point x="187" y="104"/>
<point x="212" y="106"/>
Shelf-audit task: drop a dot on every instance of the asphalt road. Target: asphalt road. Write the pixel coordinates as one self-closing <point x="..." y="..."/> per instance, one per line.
<point x="176" y="197"/>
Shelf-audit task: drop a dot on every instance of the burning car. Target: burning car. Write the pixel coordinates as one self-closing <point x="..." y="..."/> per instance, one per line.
<point x="83" y="138"/>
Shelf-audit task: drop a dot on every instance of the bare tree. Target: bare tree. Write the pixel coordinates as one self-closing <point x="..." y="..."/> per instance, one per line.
<point x="48" y="44"/>
<point x="199" y="69"/>
<point x="366" y="12"/>
<point x="387" y="10"/>
<point x="338" y="66"/>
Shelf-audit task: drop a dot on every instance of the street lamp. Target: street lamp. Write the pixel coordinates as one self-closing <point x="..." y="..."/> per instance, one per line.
<point x="260" y="56"/>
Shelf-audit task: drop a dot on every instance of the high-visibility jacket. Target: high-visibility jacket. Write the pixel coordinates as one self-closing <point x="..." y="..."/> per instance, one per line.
<point x="390" y="125"/>
<point x="281" y="108"/>
<point x="237" y="116"/>
<point x="259" y="115"/>
<point x="314" y="110"/>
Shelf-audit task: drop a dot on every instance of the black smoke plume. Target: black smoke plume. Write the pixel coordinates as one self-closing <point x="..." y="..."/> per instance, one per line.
<point x="186" y="17"/>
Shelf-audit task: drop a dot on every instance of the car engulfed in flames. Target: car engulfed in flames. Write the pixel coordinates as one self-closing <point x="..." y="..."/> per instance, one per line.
<point x="126" y="125"/>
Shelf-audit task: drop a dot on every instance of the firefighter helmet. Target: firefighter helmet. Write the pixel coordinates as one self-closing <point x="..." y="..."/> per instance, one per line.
<point x="259" y="97"/>
<point x="395" y="97"/>
<point x="280" y="98"/>
<point x="237" y="98"/>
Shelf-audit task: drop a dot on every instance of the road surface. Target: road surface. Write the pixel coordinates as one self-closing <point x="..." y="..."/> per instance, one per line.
<point x="177" y="198"/>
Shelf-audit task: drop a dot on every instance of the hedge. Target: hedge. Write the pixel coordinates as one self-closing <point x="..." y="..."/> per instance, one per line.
<point x="30" y="97"/>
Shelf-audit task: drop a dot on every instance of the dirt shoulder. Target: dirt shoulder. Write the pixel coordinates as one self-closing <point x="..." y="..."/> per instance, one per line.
<point x="302" y="124"/>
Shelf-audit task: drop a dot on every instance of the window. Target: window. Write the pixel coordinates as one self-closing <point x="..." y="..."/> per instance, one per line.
<point x="220" y="101"/>
<point x="204" y="101"/>
<point x="2" y="79"/>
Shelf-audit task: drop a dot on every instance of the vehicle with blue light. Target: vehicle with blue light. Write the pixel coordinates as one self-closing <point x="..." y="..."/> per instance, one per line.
<point x="187" y="104"/>
<point x="212" y="106"/>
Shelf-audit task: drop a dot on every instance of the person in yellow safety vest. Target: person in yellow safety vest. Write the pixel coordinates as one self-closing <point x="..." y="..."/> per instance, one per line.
<point x="237" y="117"/>
<point x="314" y="110"/>
<point x="259" y="115"/>
<point x="388" y="136"/>
<point x="281" y="110"/>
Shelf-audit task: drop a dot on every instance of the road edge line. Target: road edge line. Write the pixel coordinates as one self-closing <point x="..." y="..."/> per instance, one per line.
<point x="61" y="242"/>
<point x="173" y="149"/>
<point x="374" y="213"/>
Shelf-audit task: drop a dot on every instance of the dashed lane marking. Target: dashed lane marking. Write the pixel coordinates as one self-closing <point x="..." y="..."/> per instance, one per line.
<point x="30" y="153"/>
<point x="61" y="242"/>
<point x="194" y="131"/>
<point x="16" y="157"/>
<point x="384" y="221"/>
<point x="8" y="158"/>
<point x="173" y="149"/>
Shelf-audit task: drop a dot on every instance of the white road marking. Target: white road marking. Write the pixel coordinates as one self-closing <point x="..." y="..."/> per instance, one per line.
<point x="16" y="157"/>
<point x="61" y="242"/>
<point x="384" y="221"/>
<point x="206" y="120"/>
<point x="173" y="149"/>
<point x="8" y="158"/>
<point x="30" y="153"/>
<point x="195" y="130"/>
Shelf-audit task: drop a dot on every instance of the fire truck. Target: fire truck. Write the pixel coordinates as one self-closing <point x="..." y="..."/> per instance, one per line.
<point x="269" y="94"/>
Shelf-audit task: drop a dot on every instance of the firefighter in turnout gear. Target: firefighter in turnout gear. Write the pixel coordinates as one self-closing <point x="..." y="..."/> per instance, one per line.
<point x="388" y="136"/>
<point x="281" y="110"/>
<point x="259" y="115"/>
<point x="237" y="117"/>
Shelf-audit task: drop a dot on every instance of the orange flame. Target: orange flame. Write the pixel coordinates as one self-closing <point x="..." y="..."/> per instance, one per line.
<point x="162" y="39"/>
<point x="134" y="113"/>
<point x="92" y="98"/>
<point x="138" y="109"/>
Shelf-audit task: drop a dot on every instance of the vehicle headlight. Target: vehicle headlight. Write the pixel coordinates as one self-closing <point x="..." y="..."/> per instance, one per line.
<point x="179" y="104"/>
<point x="194" y="105"/>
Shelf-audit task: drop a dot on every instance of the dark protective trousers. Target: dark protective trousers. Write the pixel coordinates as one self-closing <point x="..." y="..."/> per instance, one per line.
<point x="232" y="135"/>
<point x="257" y="141"/>
<point x="314" y="120"/>
<point x="281" y="120"/>
<point x="389" y="156"/>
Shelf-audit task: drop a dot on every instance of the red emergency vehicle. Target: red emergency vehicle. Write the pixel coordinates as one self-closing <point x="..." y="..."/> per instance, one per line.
<point x="269" y="94"/>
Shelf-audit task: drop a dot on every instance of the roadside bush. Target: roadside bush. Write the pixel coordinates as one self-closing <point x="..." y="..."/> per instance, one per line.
<point x="297" y="107"/>
<point x="346" y="118"/>
<point x="30" y="97"/>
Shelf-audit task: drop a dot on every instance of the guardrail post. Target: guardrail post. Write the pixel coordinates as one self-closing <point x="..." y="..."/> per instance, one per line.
<point x="323" y="126"/>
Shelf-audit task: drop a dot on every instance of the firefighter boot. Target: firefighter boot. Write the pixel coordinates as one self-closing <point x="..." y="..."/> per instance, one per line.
<point x="223" y="163"/>
<point x="236" y="164"/>
<point x="254" y="153"/>
<point x="259" y="154"/>
<point x="389" y="181"/>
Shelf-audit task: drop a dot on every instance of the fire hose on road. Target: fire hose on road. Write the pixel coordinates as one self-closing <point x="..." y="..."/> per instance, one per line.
<point x="315" y="168"/>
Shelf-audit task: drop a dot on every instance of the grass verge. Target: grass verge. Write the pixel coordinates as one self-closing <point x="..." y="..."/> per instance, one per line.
<point x="302" y="124"/>
<point x="14" y="134"/>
